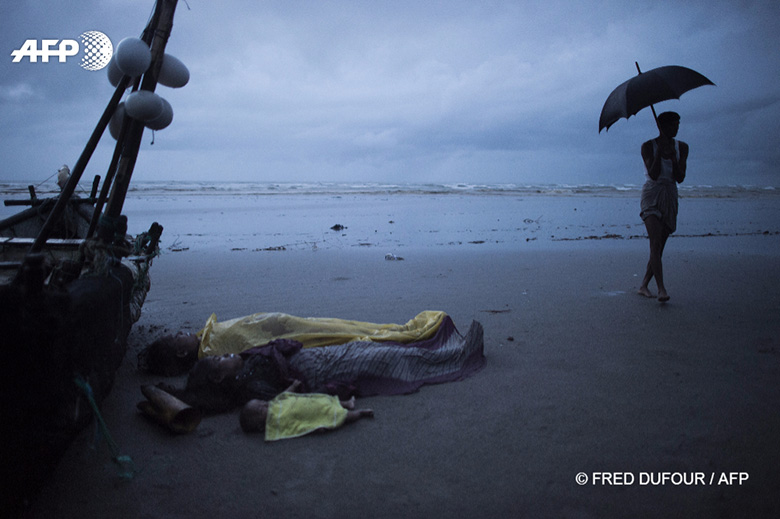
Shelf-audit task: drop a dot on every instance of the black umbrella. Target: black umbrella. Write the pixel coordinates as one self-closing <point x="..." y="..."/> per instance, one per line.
<point x="646" y="89"/>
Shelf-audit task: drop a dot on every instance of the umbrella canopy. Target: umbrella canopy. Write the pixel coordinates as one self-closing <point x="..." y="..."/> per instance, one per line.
<point x="646" y="89"/>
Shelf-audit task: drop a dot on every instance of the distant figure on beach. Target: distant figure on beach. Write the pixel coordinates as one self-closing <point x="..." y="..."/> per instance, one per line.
<point x="665" y="162"/>
<point x="292" y="414"/>
<point x="63" y="175"/>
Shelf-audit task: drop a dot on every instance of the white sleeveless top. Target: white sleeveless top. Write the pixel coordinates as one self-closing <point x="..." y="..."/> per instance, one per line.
<point x="666" y="164"/>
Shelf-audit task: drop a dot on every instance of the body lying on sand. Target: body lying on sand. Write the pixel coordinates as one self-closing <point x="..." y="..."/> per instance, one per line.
<point x="290" y="414"/>
<point x="252" y="378"/>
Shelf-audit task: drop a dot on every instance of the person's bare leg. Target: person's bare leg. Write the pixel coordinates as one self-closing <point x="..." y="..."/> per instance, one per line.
<point x="662" y="295"/>
<point x="644" y="290"/>
<point x="355" y="415"/>
<point x="657" y="234"/>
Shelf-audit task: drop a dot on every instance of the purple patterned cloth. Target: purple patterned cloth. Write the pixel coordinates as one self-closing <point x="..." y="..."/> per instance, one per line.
<point x="365" y="368"/>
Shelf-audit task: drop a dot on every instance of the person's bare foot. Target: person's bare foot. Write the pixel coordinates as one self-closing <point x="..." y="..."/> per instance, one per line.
<point x="663" y="296"/>
<point x="644" y="291"/>
<point x="349" y="404"/>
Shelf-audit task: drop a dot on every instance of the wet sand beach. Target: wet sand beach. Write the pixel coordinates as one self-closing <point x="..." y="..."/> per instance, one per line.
<point x="659" y="409"/>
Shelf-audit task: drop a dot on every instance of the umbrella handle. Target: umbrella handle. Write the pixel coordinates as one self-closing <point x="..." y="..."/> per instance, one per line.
<point x="651" y="106"/>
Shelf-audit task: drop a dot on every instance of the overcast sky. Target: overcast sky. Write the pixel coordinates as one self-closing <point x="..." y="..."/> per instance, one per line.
<point x="505" y="91"/>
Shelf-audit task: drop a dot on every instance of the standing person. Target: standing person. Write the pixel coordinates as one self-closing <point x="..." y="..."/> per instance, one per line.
<point x="665" y="163"/>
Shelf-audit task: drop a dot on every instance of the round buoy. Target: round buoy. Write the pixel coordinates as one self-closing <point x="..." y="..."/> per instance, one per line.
<point x="173" y="73"/>
<point x="115" y="125"/>
<point x="133" y="56"/>
<point x="114" y="74"/>
<point x="162" y="120"/>
<point x="144" y="105"/>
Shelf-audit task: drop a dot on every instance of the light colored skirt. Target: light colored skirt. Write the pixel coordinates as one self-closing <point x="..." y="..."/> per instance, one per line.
<point x="659" y="198"/>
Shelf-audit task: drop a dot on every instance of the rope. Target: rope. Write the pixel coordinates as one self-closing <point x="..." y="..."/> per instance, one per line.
<point x="79" y="188"/>
<point x="126" y="468"/>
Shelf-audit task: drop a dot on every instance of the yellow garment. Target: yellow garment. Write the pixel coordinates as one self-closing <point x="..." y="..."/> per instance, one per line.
<point x="291" y="415"/>
<point x="242" y="333"/>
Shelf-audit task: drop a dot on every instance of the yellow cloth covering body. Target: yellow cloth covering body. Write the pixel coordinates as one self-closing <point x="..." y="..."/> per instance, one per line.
<point x="240" y="334"/>
<point x="291" y="415"/>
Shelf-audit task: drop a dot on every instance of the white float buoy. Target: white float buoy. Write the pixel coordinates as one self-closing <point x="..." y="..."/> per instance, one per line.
<point x="115" y="125"/>
<point x="133" y="56"/>
<point x="144" y="105"/>
<point x="162" y="120"/>
<point x="114" y="74"/>
<point x="173" y="73"/>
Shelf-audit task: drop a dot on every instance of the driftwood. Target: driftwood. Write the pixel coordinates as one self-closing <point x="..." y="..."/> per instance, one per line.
<point x="169" y="411"/>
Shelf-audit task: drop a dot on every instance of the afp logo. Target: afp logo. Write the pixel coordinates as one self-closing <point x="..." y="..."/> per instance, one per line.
<point x="97" y="50"/>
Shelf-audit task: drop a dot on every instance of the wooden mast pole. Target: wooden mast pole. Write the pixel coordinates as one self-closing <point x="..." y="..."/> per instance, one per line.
<point x="78" y="169"/>
<point x="161" y="32"/>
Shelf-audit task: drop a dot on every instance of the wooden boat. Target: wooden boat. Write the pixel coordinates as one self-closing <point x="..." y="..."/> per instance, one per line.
<point x="72" y="284"/>
<point x="18" y="232"/>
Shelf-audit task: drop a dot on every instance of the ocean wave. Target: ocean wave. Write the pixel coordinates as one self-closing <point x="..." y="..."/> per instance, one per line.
<point x="190" y="188"/>
<point x="341" y="189"/>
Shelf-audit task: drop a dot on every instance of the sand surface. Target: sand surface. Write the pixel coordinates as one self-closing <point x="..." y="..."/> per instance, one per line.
<point x="583" y="376"/>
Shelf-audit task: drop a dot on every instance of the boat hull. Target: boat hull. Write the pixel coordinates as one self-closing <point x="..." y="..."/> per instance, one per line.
<point x="53" y="336"/>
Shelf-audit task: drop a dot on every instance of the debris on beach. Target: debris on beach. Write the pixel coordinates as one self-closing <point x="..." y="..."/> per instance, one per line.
<point x="338" y="227"/>
<point x="168" y="411"/>
<point x="176" y="246"/>
<point x="591" y="237"/>
<point x="721" y="235"/>
<point x="393" y="257"/>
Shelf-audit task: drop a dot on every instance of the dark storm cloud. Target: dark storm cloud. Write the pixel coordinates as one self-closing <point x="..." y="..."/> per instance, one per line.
<point x="497" y="91"/>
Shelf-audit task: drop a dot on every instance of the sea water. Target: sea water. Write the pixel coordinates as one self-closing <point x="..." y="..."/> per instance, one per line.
<point x="401" y="218"/>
